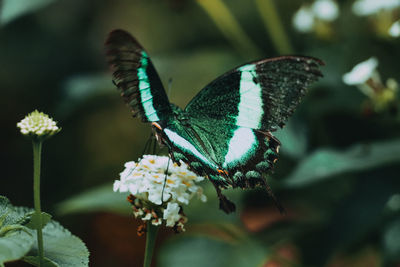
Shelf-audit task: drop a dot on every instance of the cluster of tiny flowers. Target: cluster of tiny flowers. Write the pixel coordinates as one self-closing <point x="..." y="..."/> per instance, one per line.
<point x="366" y="77"/>
<point x="157" y="195"/>
<point x="38" y="125"/>
<point x="307" y="17"/>
<point x="382" y="15"/>
<point x="370" y="7"/>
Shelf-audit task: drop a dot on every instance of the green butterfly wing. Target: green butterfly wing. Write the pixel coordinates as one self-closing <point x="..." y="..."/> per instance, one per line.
<point x="136" y="77"/>
<point x="259" y="95"/>
<point x="230" y="155"/>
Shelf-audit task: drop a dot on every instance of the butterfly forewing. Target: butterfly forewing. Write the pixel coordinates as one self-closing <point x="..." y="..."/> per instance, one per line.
<point x="136" y="77"/>
<point x="259" y="95"/>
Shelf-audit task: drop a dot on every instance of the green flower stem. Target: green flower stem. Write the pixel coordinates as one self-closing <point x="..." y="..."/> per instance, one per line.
<point x="151" y="237"/>
<point x="37" y="151"/>
<point x="274" y="26"/>
<point x="229" y="27"/>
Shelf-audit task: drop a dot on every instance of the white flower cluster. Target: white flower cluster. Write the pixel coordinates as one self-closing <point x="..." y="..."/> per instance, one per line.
<point x="382" y="15"/>
<point x="366" y="77"/>
<point x="362" y="72"/>
<point x="157" y="194"/>
<point x="37" y="124"/>
<point x="324" y="10"/>
<point x="370" y="7"/>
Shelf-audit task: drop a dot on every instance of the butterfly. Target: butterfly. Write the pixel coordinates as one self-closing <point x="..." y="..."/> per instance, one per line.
<point x="225" y="132"/>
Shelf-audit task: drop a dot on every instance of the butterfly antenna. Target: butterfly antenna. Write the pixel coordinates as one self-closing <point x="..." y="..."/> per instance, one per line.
<point x="169" y="87"/>
<point x="148" y="144"/>
<point x="165" y="181"/>
<point x="146" y="147"/>
<point x="154" y="150"/>
<point x="274" y="198"/>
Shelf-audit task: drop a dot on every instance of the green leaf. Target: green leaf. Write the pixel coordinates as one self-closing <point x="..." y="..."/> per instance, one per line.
<point x="102" y="198"/>
<point x="391" y="240"/>
<point x="61" y="247"/>
<point x="15" y="239"/>
<point x="34" y="220"/>
<point x="78" y="89"/>
<point x="293" y="138"/>
<point x="199" y="251"/>
<point x="10" y="214"/>
<point x="12" y="9"/>
<point x="356" y="218"/>
<point x="325" y="163"/>
<point x="197" y="209"/>
<point x="34" y="260"/>
<point x="14" y="245"/>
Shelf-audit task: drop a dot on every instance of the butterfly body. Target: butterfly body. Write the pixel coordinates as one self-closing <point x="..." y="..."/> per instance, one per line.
<point x="225" y="132"/>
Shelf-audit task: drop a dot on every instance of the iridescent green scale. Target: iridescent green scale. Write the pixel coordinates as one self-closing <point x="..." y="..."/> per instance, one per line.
<point x="224" y="133"/>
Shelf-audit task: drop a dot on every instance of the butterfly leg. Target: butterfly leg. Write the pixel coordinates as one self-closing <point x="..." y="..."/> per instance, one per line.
<point x="165" y="180"/>
<point x="274" y="198"/>
<point x="224" y="203"/>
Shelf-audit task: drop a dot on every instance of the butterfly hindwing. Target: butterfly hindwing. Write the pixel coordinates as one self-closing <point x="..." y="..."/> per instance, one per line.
<point x="241" y="162"/>
<point x="136" y="77"/>
<point x="229" y="155"/>
<point x="250" y="154"/>
<point x="259" y="95"/>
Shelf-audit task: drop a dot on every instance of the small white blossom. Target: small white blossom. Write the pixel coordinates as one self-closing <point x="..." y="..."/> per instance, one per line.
<point x="157" y="195"/>
<point x="303" y="19"/>
<point x="138" y="213"/>
<point x="326" y="10"/>
<point x="361" y="72"/>
<point x="369" y="7"/>
<point x="394" y="30"/>
<point x="156" y="222"/>
<point x="366" y="77"/>
<point x="147" y="217"/>
<point x="171" y="214"/>
<point x="38" y="125"/>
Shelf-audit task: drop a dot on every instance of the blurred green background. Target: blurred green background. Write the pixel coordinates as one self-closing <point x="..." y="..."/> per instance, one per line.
<point x="338" y="174"/>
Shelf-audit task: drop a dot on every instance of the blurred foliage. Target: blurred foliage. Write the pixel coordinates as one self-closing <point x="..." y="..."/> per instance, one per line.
<point x="339" y="167"/>
<point x="18" y="239"/>
<point x="12" y="9"/>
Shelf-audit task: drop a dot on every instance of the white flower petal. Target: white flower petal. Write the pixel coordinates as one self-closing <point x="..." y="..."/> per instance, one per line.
<point x="156" y="222"/>
<point x="326" y="10"/>
<point x="147" y="217"/>
<point x="361" y="72"/>
<point x="394" y="30"/>
<point x="369" y="7"/>
<point x="303" y="20"/>
<point x="116" y="185"/>
<point x="171" y="214"/>
<point x="203" y="198"/>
